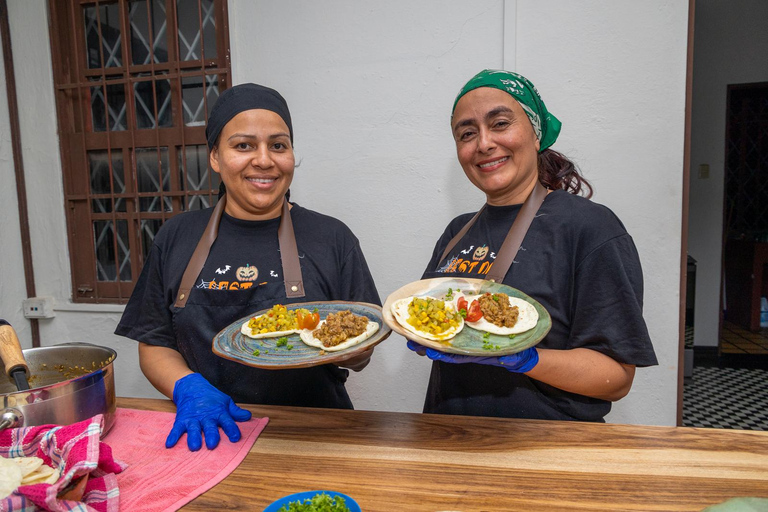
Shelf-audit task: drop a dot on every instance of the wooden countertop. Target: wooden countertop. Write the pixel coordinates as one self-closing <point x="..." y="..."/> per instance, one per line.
<point x="392" y="462"/>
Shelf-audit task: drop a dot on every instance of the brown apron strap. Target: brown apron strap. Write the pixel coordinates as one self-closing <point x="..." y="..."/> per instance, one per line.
<point x="508" y="251"/>
<point x="198" y="258"/>
<point x="294" y="285"/>
<point x="460" y="234"/>
<point x="506" y="255"/>
<point x="289" y="255"/>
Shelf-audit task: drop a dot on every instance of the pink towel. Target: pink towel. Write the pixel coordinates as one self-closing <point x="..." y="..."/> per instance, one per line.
<point x="162" y="479"/>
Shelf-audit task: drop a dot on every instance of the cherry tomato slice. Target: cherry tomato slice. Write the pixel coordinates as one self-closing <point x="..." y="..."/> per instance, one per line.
<point x="461" y="304"/>
<point x="307" y="320"/>
<point x="301" y="319"/>
<point x="311" y="320"/>
<point x="474" y="313"/>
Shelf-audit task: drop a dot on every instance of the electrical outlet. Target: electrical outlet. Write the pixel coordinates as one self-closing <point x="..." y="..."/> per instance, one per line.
<point x="38" y="307"/>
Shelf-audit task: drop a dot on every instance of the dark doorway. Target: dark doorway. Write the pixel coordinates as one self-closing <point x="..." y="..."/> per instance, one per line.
<point x="745" y="223"/>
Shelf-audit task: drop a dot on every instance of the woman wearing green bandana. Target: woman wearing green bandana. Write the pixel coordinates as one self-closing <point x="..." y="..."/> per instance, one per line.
<point x="576" y="259"/>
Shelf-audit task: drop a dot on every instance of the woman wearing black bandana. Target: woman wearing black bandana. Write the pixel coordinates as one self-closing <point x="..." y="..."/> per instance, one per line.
<point x="246" y="268"/>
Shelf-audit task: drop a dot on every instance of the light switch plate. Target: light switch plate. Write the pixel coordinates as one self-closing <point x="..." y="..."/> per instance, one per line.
<point x="38" y="307"/>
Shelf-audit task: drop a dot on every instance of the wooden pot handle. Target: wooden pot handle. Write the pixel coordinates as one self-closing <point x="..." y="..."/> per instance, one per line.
<point x="10" y="351"/>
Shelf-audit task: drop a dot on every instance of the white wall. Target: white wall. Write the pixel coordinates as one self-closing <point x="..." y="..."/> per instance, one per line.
<point x="370" y="86"/>
<point x="12" y="284"/>
<point x="731" y="47"/>
<point x="614" y="74"/>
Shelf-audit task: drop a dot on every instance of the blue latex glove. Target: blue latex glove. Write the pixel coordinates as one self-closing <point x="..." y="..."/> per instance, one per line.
<point x="519" y="363"/>
<point x="202" y="409"/>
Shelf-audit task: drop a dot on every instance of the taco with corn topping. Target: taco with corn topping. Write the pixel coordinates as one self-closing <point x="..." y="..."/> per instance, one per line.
<point x="428" y="317"/>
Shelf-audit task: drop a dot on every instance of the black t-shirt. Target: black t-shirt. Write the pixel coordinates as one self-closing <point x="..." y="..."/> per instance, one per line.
<point x="579" y="262"/>
<point x="243" y="274"/>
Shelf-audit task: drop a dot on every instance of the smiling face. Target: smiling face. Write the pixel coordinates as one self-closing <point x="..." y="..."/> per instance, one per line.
<point x="255" y="159"/>
<point x="496" y="145"/>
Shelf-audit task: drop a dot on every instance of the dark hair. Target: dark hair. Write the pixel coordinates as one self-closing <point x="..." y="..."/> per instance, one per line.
<point x="557" y="172"/>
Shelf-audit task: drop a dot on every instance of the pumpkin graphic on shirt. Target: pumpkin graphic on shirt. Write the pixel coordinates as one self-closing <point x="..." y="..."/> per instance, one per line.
<point x="480" y="253"/>
<point x="247" y="273"/>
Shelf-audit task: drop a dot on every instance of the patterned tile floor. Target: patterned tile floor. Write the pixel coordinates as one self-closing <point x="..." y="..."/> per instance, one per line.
<point x="735" y="398"/>
<point x="730" y="391"/>
<point x="736" y="340"/>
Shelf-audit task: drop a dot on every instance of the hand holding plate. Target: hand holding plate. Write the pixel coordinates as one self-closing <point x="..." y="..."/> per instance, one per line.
<point x="521" y="362"/>
<point x="356" y="362"/>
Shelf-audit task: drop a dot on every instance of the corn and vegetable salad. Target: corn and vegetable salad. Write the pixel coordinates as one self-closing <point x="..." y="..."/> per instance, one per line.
<point x="432" y="316"/>
<point x="277" y="319"/>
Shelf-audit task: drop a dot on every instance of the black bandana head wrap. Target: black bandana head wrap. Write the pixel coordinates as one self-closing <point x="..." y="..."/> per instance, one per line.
<point x="239" y="99"/>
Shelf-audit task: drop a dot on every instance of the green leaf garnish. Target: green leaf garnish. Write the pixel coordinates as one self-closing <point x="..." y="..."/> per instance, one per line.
<point x="319" y="503"/>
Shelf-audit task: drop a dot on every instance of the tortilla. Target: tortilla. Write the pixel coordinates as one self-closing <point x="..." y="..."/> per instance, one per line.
<point x="35" y="472"/>
<point x="17" y="471"/>
<point x="280" y="311"/>
<point x="400" y="312"/>
<point x="526" y="320"/>
<point x="274" y="334"/>
<point x="10" y="477"/>
<point x="308" y="337"/>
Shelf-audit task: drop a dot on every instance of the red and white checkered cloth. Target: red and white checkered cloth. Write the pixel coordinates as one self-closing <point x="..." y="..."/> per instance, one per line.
<point x="76" y="450"/>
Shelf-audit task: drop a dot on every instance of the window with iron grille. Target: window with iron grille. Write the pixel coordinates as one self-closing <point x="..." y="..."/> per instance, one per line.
<point x="746" y="162"/>
<point x="134" y="81"/>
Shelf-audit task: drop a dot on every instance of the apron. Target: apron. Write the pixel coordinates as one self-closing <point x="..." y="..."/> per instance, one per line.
<point x="511" y="245"/>
<point x="480" y="390"/>
<point x="199" y="314"/>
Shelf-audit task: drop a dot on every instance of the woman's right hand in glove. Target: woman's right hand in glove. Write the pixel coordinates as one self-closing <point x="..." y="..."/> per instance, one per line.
<point x="200" y="410"/>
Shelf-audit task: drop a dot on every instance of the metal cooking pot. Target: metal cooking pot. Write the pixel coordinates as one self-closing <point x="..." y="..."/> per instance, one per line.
<point x="69" y="383"/>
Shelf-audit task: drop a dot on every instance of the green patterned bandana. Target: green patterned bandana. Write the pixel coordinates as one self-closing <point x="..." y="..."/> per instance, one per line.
<point x="545" y="125"/>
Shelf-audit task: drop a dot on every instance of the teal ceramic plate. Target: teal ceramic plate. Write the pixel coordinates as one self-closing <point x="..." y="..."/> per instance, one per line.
<point x="308" y="495"/>
<point x="264" y="353"/>
<point x="469" y="341"/>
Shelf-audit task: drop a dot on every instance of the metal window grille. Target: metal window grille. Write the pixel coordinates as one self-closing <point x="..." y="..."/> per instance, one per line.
<point x="134" y="81"/>
<point x="746" y="162"/>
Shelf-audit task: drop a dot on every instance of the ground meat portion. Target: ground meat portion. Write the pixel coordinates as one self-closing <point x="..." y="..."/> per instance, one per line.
<point x="339" y="327"/>
<point x="496" y="309"/>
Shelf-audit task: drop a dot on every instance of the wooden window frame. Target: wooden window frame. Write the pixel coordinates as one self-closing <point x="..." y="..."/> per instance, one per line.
<point x="73" y="83"/>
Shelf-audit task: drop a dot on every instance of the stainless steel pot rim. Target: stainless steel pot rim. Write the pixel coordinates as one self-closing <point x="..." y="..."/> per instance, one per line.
<point x="71" y="344"/>
<point x="53" y="389"/>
